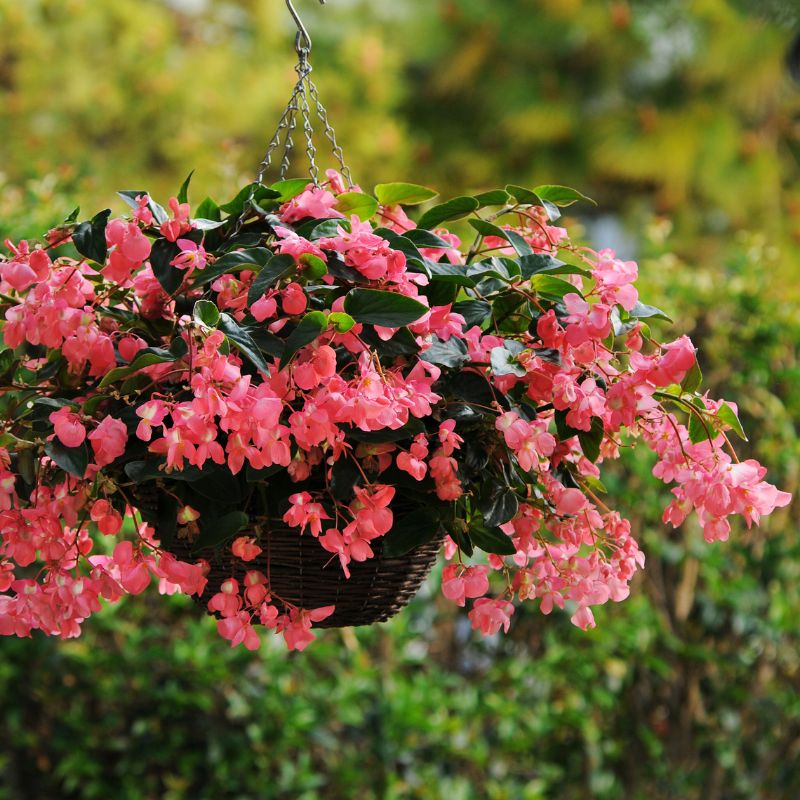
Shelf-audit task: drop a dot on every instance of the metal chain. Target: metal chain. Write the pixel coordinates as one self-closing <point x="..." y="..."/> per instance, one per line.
<point x="298" y="102"/>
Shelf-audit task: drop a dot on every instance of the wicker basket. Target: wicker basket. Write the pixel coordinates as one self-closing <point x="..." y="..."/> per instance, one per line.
<point x="301" y="572"/>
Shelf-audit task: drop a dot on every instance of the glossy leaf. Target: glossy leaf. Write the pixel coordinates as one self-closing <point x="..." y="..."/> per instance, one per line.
<point x="408" y="194"/>
<point x="310" y="327"/>
<point x="89" y="238"/>
<point x="358" y="203"/>
<point x="456" y="208"/>
<point x="388" y="309"/>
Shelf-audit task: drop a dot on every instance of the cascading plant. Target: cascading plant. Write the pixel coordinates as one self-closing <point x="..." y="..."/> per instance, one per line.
<point x="311" y="355"/>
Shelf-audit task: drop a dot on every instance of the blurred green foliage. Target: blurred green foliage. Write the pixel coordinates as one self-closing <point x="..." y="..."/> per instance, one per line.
<point x="680" y="119"/>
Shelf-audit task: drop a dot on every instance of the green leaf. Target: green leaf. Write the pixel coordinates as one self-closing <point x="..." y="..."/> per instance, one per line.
<point x="313" y="266"/>
<point x="157" y="210"/>
<point x="408" y="194"/>
<point x="499" y="507"/>
<point x="341" y="322"/>
<point x="208" y="209"/>
<point x="73" y="460"/>
<point x="243" y="341"/>
<point x="643" y="311"/>
<point x="311" y="326"/>
<point x="388" y="309"/>
<point x="402" y="343"/>
<point x="362" y="205"/>
<point x="472" y="387"/>
<point x="452" y="353"/>
<point x="697" y="431"/>
<point x="504" y="362"/>
<point x="412" y="428"/>
<point x="491" y="540"/>
<point x="415" y="529"/>
<point x="206" y="313"/>
<point x="89" y="238"/>
<point x="235" y="207"/>
<point x="419" y="237"/>
<point x="539" y="263"/>
<point x="473" y="311"/>
<point x="592" y="439"/>
<point x="496" y="197"/>
<point x="456" y="208"/>
<point x="693" y="379"/>
<point x="144" y="358"/>
<point x="441" y="272"/>
<point x="729" y="417"/>
<point x="161" y="256"/>
<point x="485" y="228"/>
<point x="216" y="532"/>
<point x="561" y="195"/>
<point x="551" y="287"/>
<point x="274" y="270"/>
<point x="183" y="192"/>
<point x="288" y="190"/>
<point x="527" y="197"/>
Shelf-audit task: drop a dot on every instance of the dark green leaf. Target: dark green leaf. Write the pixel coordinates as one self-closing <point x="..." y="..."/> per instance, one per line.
<point x="472" y="387"/>
<point x="216" y="532"/>
<point x="161" y="256"/>
<point x="496" y="197"/>
<point x="183" y="192"/>
<point x="456" y="208"/>
<point x="243" y="341"/>
<point x="422" y="238"/>
<point x="414" y="529"/>
<point x="89" y="238"/>
<point x="452" y="353"/>
<point x="473" y="311"/>
<point x="643" y="311"/>
<point x="499" y="507"/>
<point x="591" y="440"/>
<point x="388" y="309"/>
<point x="411" y="429"/>
<point x="73" y="460"/>
<point x="144" y="358"/>
<point x="345" y="475"/>
<point x="402" y="343"/>
<point x="274" y="270"/>
<point x="442" y="272"/>
<point x="491" y="540"/>
<point x="310" y="327"/>
<point x="693" y="379"/>
<point x="485" y="228"/>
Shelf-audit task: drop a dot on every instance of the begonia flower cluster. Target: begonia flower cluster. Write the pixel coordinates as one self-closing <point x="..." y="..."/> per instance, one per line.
<point x="375" y="376"/>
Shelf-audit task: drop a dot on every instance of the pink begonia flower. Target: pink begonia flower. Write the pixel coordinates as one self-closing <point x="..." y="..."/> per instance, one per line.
<point x="108" y="440"/>
<point x="226" y="601"/>
<point x="296" y="626"/>
<point x="459" y="583"/>
<point x="134" y="575"/>
<point x="303" y="513"/>
<point x="239" y="630"/>
<point x="129" y="346"/>
<point x="264" y="308"/>
<point x="142" y="213"/>
<point x="583" y="618"/>
<point x="314" y="202"/>
<point x="675" y="363"/>
<point x="108" y="520"/>
<point x="191" y="257"/>
<point x="293" y="299"/>
<point x="245" y="548"/>
<point x="571" y="501"/>
<point x="152" y="413"/>
<point x="488" y="615"/>
<point x="68" y="427"/>
<point x="174" y="228"/>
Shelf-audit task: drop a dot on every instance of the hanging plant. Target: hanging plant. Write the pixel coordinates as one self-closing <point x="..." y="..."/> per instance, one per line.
<point x="285" y="404"/>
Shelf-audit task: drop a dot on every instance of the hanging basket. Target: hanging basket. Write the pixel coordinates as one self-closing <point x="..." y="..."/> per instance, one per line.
<point x="302" y="573"/>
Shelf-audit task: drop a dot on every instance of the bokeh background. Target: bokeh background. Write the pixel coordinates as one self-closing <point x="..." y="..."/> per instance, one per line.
<point x="683" y="120"/>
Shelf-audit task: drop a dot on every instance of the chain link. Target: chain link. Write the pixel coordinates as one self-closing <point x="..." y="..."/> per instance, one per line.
<point x="305" y="101"/>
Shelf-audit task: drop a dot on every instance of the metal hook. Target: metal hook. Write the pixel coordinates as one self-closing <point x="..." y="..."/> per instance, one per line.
<point x="303" y="41"/>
